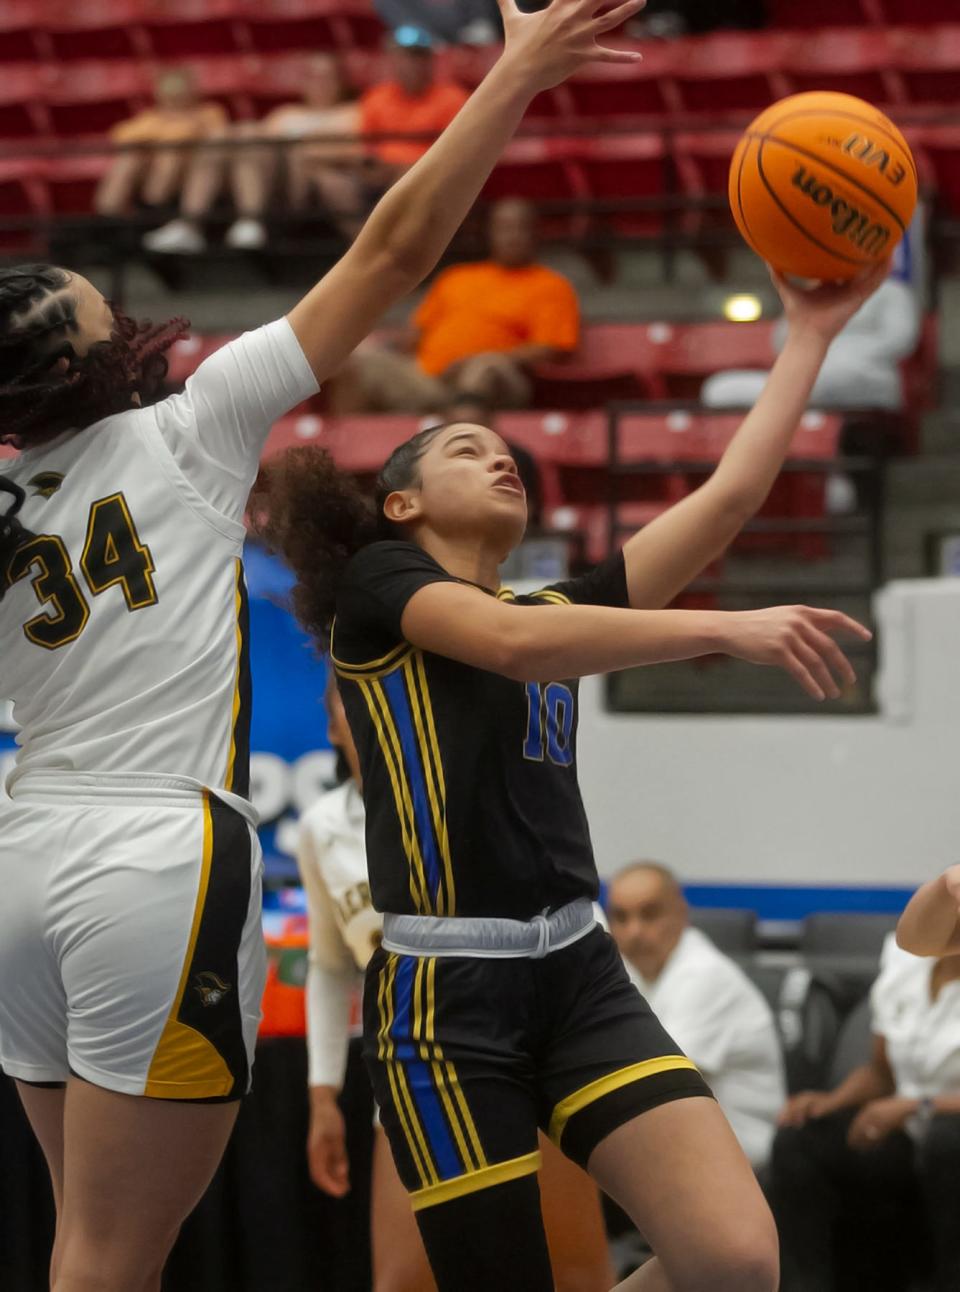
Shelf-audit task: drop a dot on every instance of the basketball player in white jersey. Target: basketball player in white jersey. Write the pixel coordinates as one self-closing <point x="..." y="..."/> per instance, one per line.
<point x="131" y="959"/>
<point x="345" y="930"/>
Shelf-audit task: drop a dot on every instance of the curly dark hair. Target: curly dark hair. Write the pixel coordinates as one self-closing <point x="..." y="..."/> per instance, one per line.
<point x="317" y="517"/>
<point x="40" y="397"/>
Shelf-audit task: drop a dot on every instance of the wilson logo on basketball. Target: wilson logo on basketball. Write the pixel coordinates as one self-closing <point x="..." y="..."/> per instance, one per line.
<point x="847" y="220"/>
<point x="866" y="151"/>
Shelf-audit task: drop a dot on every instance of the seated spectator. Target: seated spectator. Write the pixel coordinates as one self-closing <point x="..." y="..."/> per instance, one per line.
<point x="889" y="1135"/>
<point x="861" y="368"/>
<point x="479" y="331"/>
<point x="704" y="1000"/>
<point x="412" y="102"/>
<point x="154" y="175"/>
<point x="312" y="168"/>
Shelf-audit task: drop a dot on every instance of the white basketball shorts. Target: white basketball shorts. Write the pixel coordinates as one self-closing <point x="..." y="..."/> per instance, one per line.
<point x="131" y="946"/>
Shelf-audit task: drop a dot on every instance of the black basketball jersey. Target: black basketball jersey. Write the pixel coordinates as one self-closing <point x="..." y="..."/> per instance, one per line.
<point x="469" y="778"/>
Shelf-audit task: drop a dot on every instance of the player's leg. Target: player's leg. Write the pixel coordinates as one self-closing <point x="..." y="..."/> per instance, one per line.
<point x="573" y="1220"/>
<point x="157" y="919"/>
<point x="700" y="1207"/>
<point x="444" y="1043"/>
<point x="620" y="1099"/>
<point x="116" y="190"/>
<point x="43" y="1105"/>
<point x="399" y="1260"/>
<point x="134" y="1169"/>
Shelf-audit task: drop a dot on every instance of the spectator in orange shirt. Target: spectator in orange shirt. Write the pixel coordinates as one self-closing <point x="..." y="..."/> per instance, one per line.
<point x="411" y="102"/>
<point x="478" y="332"/>
<point x="152" y="174"/>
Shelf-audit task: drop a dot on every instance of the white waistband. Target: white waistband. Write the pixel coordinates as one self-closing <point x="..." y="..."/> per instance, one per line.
<point x="489" y="937"/>
<point x="65" y="788"/>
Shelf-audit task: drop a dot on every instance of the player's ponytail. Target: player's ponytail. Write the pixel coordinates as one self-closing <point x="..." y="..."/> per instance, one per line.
<point x="317" y="517"/>
<point x="12" y="533"/>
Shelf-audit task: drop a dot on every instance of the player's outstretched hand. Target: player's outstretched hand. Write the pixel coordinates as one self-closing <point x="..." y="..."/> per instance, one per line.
<point x="827" y="309"/>
<point x="798" y="639"/>
<point x="552" y="43"/>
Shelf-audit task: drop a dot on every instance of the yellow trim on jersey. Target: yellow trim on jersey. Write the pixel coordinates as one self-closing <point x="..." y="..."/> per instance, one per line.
<point x="588" y="1094"/>
<point x="461" y="1185"/>
<point x="399" y="1086"/>
<point x="232" y="756"/>
<point x="185" y="1065"/>
<point x="552" y="595"/>
<point x="448" y="1069"/>
<point x="421" y="707"/>
<point x="393" y="759"/>
<point x="506" y="594"/>
<point x="374" y="667"/>
<point x="427" y="1052"/>
<point x="390" y="738"/>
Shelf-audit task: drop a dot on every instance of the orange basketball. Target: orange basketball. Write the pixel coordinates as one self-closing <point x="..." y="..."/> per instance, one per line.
<point x="822" y="185"/>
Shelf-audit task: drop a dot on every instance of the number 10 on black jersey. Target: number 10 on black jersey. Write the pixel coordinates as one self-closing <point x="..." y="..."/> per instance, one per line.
<point x="549" y="723"/>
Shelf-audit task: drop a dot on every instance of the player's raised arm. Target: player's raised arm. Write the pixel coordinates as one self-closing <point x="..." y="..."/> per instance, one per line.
<point x="547" y="642"/>
<point x="413" y="223"/>
<point x="666" y="554"/>
<point x="930" y="925"/>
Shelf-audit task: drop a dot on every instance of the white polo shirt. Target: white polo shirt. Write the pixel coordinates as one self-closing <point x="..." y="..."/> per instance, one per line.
<point x="721" y="1020"/>
<point x="922" y="1035"/>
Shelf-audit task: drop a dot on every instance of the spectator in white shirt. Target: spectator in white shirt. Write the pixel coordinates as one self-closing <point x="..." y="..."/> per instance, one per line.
<point x="704" y="1000"/>
<point x="889" y="1133"/>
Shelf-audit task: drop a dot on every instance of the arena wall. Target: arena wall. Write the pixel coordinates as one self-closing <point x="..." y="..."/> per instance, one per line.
<point x="868" y="803"/>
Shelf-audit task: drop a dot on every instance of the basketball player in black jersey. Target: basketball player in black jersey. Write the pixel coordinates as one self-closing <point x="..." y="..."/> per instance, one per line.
<point x="495" y="1004"/>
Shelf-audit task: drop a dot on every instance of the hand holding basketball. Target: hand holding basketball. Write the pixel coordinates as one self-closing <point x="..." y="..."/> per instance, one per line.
<point x="549" y="44"/>
<point x="827" y="309"/>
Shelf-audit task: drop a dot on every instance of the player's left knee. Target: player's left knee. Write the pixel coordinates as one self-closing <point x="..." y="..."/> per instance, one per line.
<point x="751" y="1264"/>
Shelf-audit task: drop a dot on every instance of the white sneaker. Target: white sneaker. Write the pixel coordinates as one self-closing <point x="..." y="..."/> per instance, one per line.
<point x="246" y="234"/>
<point x="178" y="236"/>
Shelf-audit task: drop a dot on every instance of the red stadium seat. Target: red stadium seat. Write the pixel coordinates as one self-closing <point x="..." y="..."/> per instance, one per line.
<point x="628" y="168"/>
<point x="918" y="11"/>
<point x="177" y="29"/>
<point x="72" y="181"/>
<point x="23" y="195"/>
<point x="940" y="146"/>
<point x="312" y="24"/>
<point x="95" y="29"/>
<point x="22" y="111"/>
<point x="612" y="362"/>
<point x="625" y="90"/>
<point x="91" y="97"/>
<point x="21" y="30"/>
<point x="854" y="60"/>
<point x="929" y="62"/>
<point x="686" y="354"/>
<point x="539" y="168"/>
<point x="824" y="13"/>
<point x="732" y="71"/>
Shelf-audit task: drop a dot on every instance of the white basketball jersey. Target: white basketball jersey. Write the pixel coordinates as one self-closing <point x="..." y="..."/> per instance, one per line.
<point x="333" y="864"/>
<point x="123" y="633"/>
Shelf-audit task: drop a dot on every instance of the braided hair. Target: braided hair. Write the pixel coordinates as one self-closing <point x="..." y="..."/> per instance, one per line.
<point x="46" y="388"/>
<point x="12" y="533"/>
